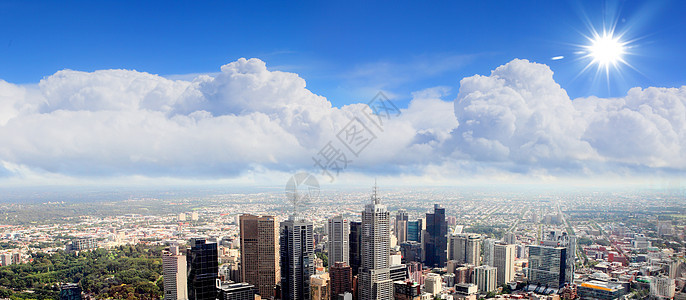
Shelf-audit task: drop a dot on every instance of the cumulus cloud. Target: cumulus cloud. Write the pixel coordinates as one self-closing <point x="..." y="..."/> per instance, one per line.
<point x="119" y="122"/>
<point x="247" y="118"/>
<point x="520" y="115"/>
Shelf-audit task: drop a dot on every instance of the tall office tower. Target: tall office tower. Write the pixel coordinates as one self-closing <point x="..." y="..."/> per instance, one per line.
<point x="465" y="248"/>
<point x="489" y="245"/>
<point x="432" y="284"/>
<point x="341" y="278"/>
<point x="203" y="270"/>
<point x="571" y="259"/>
<point x="503" y="260"/>
<point x="355" y="246"/>
<point x="436" y="240"/>
<point x="547" y="266"/>
<point x="414" y="231"/>
<point x="174" y="271"/>
<point x="339" y="236"/>
<point x="260" y="253"/>
<point x="400" y="227"/>
<point x="297" y="258"/>
<point x="560" y="238"/>
<point x="485" y="278"/>
<point x="411" y="251"/>
<point x="374" y="278"/>
<point x="319" y="287"/>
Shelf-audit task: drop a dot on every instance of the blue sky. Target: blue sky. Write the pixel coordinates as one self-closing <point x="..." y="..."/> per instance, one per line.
<point x="344" y="50"/>
<point x="127" y="91"/>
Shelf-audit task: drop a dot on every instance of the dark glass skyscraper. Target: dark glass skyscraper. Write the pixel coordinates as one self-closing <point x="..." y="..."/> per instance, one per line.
<point x="203" y="270"/>
<point x="547" y="266"/>
<point x="436" y="240"/>
<point x="355" y="242"/>
<point x="414" y="231"/>
<point x="297" y="258"/>
<point x="400" y="226"/>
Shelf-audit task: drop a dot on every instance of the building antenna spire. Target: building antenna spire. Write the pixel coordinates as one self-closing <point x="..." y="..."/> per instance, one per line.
<point x="375" y="197"/>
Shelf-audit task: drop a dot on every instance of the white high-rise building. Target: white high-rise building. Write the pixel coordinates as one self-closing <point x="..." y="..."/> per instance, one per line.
<point x="485" y="278"/>
<point x="465" y="248"/>
<point x="338" y="244"/>
<point x="174" y="271"/>
<point x="433" y="283"/>
<point x="503" y="260"/>
<point x="662" y="287"/>
<point x="374" y="278"/>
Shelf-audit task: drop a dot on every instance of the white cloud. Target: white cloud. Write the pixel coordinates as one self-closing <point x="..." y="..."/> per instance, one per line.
<point x="246" y="120"/>
<point x="647" y="127"/>
<point x="520" y="115"/>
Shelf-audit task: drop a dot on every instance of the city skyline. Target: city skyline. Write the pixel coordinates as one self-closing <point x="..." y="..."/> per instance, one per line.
<point x="563" y="244"/>
<point x="233" y="150"/>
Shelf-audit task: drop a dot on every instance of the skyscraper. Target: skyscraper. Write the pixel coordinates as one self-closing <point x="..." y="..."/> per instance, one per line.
<point x="414" y="230"/>
<point x="174" y="271"/>
<point x="355" y="246"/>
<point x="662" y="287"/>
<point x="503" y="260"/>
<point x="465" y="248"/>
<point x="203" y="270"/>
<point x="436" y="240"/>
<point x="547" y="266"/>
<point x="485" y="278"/>
<point x="260" y="253"/>
<point x="341" y="279"/>
<point x="339" y="236"/>
<point x="489" y="245"/>
<point x="374" y="278"/>
<point x="297" y="258"/>
<point x="401" y="220"/>
<point x="560" y="238"/>
<point x="571" y="258"/>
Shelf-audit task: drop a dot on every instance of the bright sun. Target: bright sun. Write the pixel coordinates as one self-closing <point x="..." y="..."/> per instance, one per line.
<point x="606" y="50"/>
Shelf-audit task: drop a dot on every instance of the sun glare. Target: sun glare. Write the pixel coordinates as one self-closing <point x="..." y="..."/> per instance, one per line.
<point x="606" y="50"/>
